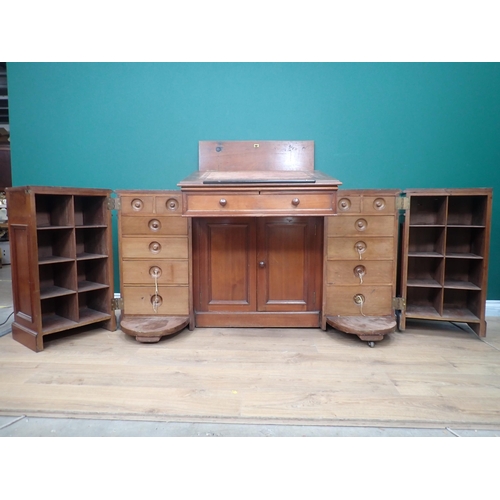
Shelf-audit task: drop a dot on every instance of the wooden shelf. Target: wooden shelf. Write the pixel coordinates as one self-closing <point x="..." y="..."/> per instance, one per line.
<point x="53" y="259"/>
<point x="426" y="283"/>
<point x="54" y="291"/>
<point x="461" y="285"/>
<point x="86" y="286"/>
<point x="90" y="256"/>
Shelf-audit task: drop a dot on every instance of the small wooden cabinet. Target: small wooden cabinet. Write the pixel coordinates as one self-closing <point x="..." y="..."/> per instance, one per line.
<point x="361" y="263"/>
<point x="257" y="271"/>
<point x="61" y="255"/>
<point x="154" y="249"/>
<point x="444" y="264"/>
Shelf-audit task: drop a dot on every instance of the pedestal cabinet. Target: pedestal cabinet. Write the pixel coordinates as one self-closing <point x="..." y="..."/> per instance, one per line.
<point x="155" y="264"/>
<point x="61" y="256"/>
<point x="361" y="251"/>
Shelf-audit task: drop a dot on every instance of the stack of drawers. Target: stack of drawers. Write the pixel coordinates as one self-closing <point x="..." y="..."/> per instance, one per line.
<point x="154" y="254"/>
<point x="361" y="254"/>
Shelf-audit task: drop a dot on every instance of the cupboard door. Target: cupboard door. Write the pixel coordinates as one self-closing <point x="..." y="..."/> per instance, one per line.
<point x="289" y="271"/>
<point x="224" y="264"/>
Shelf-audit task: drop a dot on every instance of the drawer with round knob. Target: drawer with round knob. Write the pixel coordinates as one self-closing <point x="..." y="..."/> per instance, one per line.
<point x="361" y="248"/>
<point x="153" y="224"/>
<point x="379" y="204"/>
<point x="154" y="248"/>
<point x="354" y="272"/>
<point x="359" y="300"/>
<point x="348" y="204"/>
<point x="150" y="272"/>
<point x="167" y="300"/>
<point x="263" y="203"/>
<point x="362" y="225"/>
<point x="137" y="204"/>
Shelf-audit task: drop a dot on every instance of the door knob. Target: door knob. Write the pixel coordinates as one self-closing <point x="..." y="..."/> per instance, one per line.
<point x="262" y="264"/>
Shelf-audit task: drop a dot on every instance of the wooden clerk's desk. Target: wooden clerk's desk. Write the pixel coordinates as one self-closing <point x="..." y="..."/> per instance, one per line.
<point x="262" y="233"/>
<point x="256" y="237"/>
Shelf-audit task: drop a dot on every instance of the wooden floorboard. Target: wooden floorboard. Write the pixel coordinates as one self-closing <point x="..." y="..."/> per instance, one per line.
<point x="432" y="375"/>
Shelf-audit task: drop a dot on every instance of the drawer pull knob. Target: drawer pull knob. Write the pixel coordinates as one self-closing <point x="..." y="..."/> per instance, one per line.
<point x="295" y="202"/>
<point x="172" y="204"/>
<point x="137" y="204"/>
<point x="379" y="204"/>
<point x="344" y="204"/>
<point x="223" y="202"/>
<point x="154" y="247"/>
<point x="360" y="247"/>
<point x="361" y="224"/>
<point x="262" y="264"/>
<point x="155" y="271"/>
<point x="154" y="225"/>
<point x="359" y="272"/>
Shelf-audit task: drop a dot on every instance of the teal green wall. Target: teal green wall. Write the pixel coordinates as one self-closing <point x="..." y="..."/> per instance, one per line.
<point x="375" y="125"/>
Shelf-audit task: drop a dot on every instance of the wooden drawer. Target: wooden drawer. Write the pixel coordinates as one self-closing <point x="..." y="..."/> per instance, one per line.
<point x="348" y="204"/>
<point x="152" y="225"/>
<point x="268" y="202"/>
<point x="137" y="204"/>
<point x="373" y="204"/>
<point x="167" y="272"/>
<point x="379" y="205"/>
<point x="149" y="203"/>
<point x="361" y="248"/>
<point x="340" y="300"/>
<point x="138" y="300"/>
<point x="369" y="225"/>
<point x="354" y="272"/>
<point x="154" y="248"/>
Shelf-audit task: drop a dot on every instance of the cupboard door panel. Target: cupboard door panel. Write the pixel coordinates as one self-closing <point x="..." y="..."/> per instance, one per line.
<point x="289" y="264"/>
<point x="224" y="264"/>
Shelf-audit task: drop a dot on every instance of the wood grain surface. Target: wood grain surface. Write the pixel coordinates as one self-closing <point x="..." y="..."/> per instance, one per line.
<point x="434" y="374"/>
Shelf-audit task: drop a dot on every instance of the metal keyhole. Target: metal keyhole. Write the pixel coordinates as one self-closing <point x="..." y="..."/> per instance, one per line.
<point x="359" y="272"/>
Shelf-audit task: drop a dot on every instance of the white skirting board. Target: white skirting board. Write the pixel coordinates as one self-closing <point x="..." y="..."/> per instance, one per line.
<point x="492" y="306"/>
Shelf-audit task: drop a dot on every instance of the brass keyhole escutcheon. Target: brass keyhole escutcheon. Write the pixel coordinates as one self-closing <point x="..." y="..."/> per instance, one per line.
<point x="344" y="204"/>
<point x="156" y="300"/>
<point x="137" y="204"/>
<point x="154" y="247"/>
<point x="154" y="225"/>
<point x="360" y="248"/>
<point x="172" y="204"/>
<point x="359" y="272"/>
<point x="359" y="299"/>
<point x="361" y="224"/>
<point x="155" y="271"/>
<point x="379" y="204"/>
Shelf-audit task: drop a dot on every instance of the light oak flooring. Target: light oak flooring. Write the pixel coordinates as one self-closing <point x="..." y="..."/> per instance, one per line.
<point x="434" y="375"/>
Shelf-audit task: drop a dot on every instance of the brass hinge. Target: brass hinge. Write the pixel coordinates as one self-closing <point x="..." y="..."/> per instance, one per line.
<point x="399" y="303"/>
<point x="114" y="203"/>
<point x="402" y="203"/>
<point x="117" y="304"/>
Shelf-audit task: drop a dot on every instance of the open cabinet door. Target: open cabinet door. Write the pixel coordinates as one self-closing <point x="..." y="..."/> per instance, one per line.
<point x="444" y="258"/>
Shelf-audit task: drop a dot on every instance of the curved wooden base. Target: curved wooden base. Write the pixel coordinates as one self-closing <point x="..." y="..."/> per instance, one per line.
<point x="367" y="328"/>
<point x="152" y="328"/>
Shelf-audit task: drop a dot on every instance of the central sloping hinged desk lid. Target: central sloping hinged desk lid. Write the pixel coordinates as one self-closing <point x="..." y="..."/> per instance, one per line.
<point x="258" y="178"/>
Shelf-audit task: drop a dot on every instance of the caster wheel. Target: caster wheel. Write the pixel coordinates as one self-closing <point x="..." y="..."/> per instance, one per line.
<point x="371" y="344"/>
